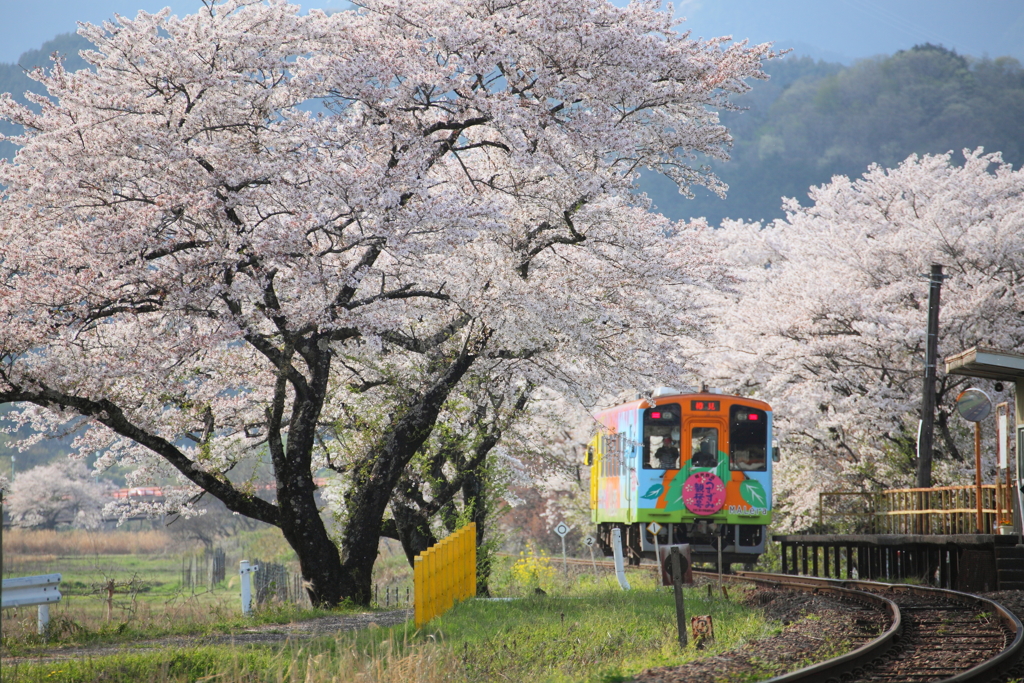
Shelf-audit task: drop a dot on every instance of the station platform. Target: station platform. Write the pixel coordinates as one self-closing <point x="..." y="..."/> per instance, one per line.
<point x="971" y="563"/>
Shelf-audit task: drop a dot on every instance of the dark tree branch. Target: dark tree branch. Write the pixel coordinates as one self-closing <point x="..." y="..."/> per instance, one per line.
<point x="110" y="415"/>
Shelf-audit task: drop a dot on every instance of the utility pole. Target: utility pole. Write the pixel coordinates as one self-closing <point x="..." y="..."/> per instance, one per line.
<point x="924" y="443"/>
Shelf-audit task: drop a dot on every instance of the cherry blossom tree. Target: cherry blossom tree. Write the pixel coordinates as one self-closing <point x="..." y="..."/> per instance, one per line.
<point x="829" y="317"/>
<point x="60" y="493"/>
<point x="245" y="225"/>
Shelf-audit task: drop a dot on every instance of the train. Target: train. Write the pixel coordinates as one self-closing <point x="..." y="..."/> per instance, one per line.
<point x="698" y="464"/>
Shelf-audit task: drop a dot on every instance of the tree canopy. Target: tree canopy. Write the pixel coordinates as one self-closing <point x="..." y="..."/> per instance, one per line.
<point x="242" y="223"/>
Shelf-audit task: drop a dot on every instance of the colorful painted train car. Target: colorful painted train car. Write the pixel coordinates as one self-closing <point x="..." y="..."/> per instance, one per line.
<point x="700" y="465"/>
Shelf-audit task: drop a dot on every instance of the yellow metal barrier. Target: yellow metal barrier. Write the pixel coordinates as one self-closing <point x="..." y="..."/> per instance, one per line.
<point x="444" y="574"/>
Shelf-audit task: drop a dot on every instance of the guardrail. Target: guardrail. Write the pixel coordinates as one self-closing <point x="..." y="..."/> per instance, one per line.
<point x="444" y="574"/>
<point x="27" y="591"/>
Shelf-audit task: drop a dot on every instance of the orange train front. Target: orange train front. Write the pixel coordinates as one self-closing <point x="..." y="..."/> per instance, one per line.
<point x="700" y="465"/>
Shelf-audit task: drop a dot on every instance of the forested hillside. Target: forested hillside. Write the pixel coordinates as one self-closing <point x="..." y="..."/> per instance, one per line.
<point x="814" y="120"/>
<point x="14" y="77"/>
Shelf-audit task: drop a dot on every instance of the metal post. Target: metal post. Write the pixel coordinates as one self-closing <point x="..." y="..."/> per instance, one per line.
<point x="657" y="562"/>
<point x="924" y="445"/>
<point x="977" y="475"/>
<point x="719" y="560"/>
<point x="244" y="573"/>
<point x="620" y="571"/>
<point x="565" y="561"/>
<point x="677" y="583"/>
<point x="1" y="560"/>
<point x="44" y="618"/>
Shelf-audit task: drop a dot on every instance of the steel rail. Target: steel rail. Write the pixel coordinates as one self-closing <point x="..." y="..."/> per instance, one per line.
<point x="985" y="671"/>
<point x="836" y="667"/>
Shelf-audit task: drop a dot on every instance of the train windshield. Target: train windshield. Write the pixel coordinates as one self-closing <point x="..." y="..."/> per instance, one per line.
<point x="748" y="439"/>
<point x="704" y="445"/>
<point x="661" y="438"/>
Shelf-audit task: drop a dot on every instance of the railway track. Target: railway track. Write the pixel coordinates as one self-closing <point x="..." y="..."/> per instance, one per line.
<point x="933" y="634"/>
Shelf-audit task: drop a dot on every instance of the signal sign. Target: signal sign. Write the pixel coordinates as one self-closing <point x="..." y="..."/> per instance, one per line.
<point x="562" y="529"/>
<point x="654" y="528"/>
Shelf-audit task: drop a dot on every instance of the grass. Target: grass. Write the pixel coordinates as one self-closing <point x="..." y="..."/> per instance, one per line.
<point x="606" y="636"/>
<point x="150" y="600"/>
<point x="319" y="662"/>
<point x="53" y="544"/>
<point x="585" y="629"/>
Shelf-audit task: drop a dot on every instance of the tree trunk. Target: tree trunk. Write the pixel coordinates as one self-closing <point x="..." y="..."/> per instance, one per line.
<point x="319" y="560"/>
<point x="474" y="493"/>
<point x="377" y="475"/>
<point x="413" y="527"/>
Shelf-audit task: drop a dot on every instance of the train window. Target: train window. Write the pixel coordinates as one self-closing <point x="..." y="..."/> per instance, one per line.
<point x="661" y="438"/>
<point x="704" y="446"/>
<point x="613" y="455"/>
<point x="748" y="439"/>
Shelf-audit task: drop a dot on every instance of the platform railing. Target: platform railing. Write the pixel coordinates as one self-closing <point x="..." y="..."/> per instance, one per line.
<point x="932" y="511"/>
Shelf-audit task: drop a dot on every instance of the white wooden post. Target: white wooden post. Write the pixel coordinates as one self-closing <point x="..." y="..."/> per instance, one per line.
<point x="245" y="571"/>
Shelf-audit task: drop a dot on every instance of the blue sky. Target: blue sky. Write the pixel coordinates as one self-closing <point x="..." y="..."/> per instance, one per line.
<point x="839" y="30"/>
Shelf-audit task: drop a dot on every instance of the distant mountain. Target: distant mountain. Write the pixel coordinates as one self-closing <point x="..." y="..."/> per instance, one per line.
<point x="814" y="120"/>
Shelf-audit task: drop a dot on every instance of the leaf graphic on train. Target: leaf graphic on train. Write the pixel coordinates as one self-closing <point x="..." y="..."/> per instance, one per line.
<point x="753" y="493"/>
<point x="653" y="492"/>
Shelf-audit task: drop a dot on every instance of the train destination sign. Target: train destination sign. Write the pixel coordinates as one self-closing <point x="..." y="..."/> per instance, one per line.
<point x="974" y="405"/>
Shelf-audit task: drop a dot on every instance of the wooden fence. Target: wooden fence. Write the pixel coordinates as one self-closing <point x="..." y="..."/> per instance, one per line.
<point x="205" y="570"/>
<point x="444" y="574"/>
<point x="940" y="510"/>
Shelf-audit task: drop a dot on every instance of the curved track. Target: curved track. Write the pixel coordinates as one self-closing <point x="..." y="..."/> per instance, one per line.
<point x="934" y="635"/>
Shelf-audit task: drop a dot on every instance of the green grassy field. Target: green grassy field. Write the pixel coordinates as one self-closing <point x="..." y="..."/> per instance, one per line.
<point x="583" y="627"/>
<point x="150" y="599"/>
<point x="591" y="631"/>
